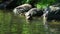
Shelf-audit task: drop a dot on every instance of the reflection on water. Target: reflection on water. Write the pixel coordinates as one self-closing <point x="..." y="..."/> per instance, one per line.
<point x="54" y="27"/>
<point x="10" y="24"/>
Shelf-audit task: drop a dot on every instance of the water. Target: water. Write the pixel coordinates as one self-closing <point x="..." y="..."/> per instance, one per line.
<point x="45" y="23"/>
<point x="10" y="24"/>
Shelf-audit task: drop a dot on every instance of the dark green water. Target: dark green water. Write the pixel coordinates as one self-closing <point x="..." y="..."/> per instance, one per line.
<point x="10" y="24"/>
